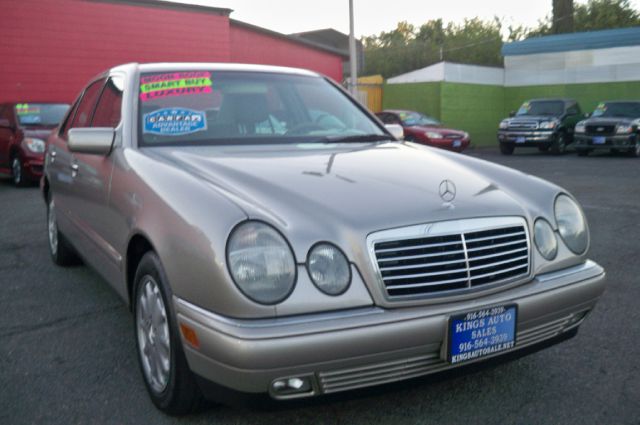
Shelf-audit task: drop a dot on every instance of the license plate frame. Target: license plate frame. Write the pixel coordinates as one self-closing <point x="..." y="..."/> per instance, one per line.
<point x="491" y="337"/>
<point x="457" y="143"/>
<point x="521" y="139"/>
<point x="600" y="140"/>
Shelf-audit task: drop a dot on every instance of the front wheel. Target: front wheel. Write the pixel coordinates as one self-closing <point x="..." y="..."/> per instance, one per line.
<point x="559" y="145"/>
<point x="635" y="152"/>
<point x="17" y="172"/>
<point x="168" y="379"/>
<point x="506" y="149"/>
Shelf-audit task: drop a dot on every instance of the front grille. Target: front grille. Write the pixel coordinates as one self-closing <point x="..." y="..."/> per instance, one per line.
<point x="523" y="125"/>
<point x="465" y="260"/>
<point x="453" y="136"/>
<point x="601" y="129"/>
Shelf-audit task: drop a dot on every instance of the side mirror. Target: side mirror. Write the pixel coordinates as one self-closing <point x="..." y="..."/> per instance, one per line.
<point x="5" y="123"/>
<point x="396" y="130"/>
<point x="512" y="114"/>
<point x="95" y="141"/>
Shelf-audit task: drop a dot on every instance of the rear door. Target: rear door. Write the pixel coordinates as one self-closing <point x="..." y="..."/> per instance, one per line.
<point x="7" y="134"/>
<point x="89" y="200"/>
<point x="62" y="166"/>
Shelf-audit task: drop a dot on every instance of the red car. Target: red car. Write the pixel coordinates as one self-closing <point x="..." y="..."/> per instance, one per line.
<point x="426" y="130"/>
<point x="24" y="127"/>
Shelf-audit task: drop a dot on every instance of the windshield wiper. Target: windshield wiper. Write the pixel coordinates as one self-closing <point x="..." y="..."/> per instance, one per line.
<point x="358" y="138"/>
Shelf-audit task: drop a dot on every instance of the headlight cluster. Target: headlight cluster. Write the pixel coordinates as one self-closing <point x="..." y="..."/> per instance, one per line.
<point x="433" y="135"/>
<point x="581" y="127"/>
<point x="263" y="266"/>
<point x="624" y="129"/>
<point x="572" y="227"/>
<point x="35" y="145"/>
<point x="548" y="125"/>
<point x="504" y="124"/>
<point x="571" y="224"/>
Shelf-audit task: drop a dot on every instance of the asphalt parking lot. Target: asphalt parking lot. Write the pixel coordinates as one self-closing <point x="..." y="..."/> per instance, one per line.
<point x="67" y="353"/>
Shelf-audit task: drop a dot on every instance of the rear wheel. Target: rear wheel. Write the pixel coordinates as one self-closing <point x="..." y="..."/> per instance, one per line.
<point x="559" y="145"/>
<point x="506" y="149"/>
<point x="61" y="251"/>
<point x="635" y="152"/>
<point x="17" y="172"/>
<point x="168" y="379"/>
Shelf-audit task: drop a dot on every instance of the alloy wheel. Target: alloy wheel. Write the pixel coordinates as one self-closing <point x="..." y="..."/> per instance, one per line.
<point x="16" y="171"/>
<point x="154" y="343"/>
<point x="52" y="228"/>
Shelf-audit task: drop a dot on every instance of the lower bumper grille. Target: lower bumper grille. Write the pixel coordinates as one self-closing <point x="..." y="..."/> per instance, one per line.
<point x="393" y="371"/>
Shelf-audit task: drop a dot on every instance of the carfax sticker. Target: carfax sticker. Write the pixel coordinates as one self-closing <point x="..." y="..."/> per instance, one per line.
<point x="174" y="84"/>
<point x="174" y="122"/>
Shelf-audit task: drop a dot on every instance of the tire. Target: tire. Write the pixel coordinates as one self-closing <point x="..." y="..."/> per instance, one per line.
<point x="506" y="149"/>
<point x="543" y="148"/>
<point x="169" y="381"/>
<point x="559" y="145"/>
<point x="635" y="152"/>
<point x="17" y="172"/>
<point x="60" y="249"/>
<point x="582" y="152"/>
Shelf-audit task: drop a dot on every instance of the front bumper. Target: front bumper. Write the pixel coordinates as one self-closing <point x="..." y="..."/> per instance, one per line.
<point x="455" y="145"/>
<point x="584" y="141"/>
<point x="526" y="138"/>
<point x="357" y="348"/>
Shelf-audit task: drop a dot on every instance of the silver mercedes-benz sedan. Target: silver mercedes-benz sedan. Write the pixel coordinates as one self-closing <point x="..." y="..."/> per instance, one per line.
<point x="272" y="237"/>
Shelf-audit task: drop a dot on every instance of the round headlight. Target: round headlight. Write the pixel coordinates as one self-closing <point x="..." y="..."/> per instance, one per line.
<point x="545" y="239"/>
<point x="571" y="224"/>
<point x="329" y="269"/>
<point x="261" y="262"/>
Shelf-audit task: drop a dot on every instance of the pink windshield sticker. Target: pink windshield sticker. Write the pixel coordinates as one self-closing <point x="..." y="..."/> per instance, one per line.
<point x="174" y="84"/>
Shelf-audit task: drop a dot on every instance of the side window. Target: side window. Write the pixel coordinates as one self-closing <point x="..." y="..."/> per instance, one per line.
<point x="109" y="108"/>
<point x="573" y="109"/>
<point x="66" y="125"/>
<point x="87" y="104"/>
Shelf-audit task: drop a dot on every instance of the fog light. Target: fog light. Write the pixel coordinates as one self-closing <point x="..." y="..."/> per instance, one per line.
<point x="291" y="386"/>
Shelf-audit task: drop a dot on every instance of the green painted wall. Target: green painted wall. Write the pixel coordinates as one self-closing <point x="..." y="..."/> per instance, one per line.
<point x="421" y="97"/>
<point x="478" y="109"/>
<point x="474" y="108"/>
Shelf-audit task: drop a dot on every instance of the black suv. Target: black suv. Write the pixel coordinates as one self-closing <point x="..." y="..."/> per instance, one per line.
<point x="543" y="123"/>
<point x="614" y="126"/>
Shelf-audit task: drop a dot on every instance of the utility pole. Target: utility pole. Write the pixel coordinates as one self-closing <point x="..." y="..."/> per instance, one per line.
<point x="353" y="59"/>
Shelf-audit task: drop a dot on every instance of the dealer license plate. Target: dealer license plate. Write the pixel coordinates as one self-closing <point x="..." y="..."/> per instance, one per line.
<point x="481" y="333"/>
<point x="457" y="143"/>
<point x="599" y="140"/>
<point x="520" y="140"/>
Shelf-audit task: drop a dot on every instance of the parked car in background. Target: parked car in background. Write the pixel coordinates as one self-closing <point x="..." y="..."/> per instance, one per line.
<point x="546" y="124"/>
<point x="273" y="238"/>
<point x="24" y="127"/>
<point x="426" y="130"/>
<point x="614" y="126"/>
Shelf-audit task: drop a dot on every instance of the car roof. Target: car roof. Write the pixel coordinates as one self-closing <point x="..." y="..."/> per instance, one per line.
<point x="211" y="66"/>
<point x="554" y="99"/>
<point x="398" y="111"/>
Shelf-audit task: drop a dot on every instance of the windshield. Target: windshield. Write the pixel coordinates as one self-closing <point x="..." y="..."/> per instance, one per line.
<point x="220" y="107"/>
<point x="41" y="114"/>
<point x="618" y="109"/>
<point x="552" y="108"/>
<point x="415" y="118"/>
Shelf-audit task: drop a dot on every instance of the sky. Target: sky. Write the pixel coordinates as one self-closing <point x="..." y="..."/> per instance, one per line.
<point x="374" y="16"/>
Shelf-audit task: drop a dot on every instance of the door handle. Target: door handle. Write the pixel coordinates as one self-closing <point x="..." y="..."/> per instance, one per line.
<point x="74" y="169"/>
<point x="52" y="155"/>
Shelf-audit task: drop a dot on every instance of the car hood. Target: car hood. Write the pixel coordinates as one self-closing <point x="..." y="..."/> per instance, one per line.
<point x="38" y="132"/>
<point x="350" y="187"/>
<point x="437" y="129"/>
<point x="609" y="120"/>
<point x="535" y="118"/>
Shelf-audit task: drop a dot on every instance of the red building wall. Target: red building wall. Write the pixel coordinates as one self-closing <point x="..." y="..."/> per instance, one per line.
<point x="248" y="46"/>
<point x="49" y="49"/>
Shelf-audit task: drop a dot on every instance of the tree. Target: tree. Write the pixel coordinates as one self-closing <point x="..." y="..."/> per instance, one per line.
<point x="605" y="14"/>
<point x="562" y="16"/>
